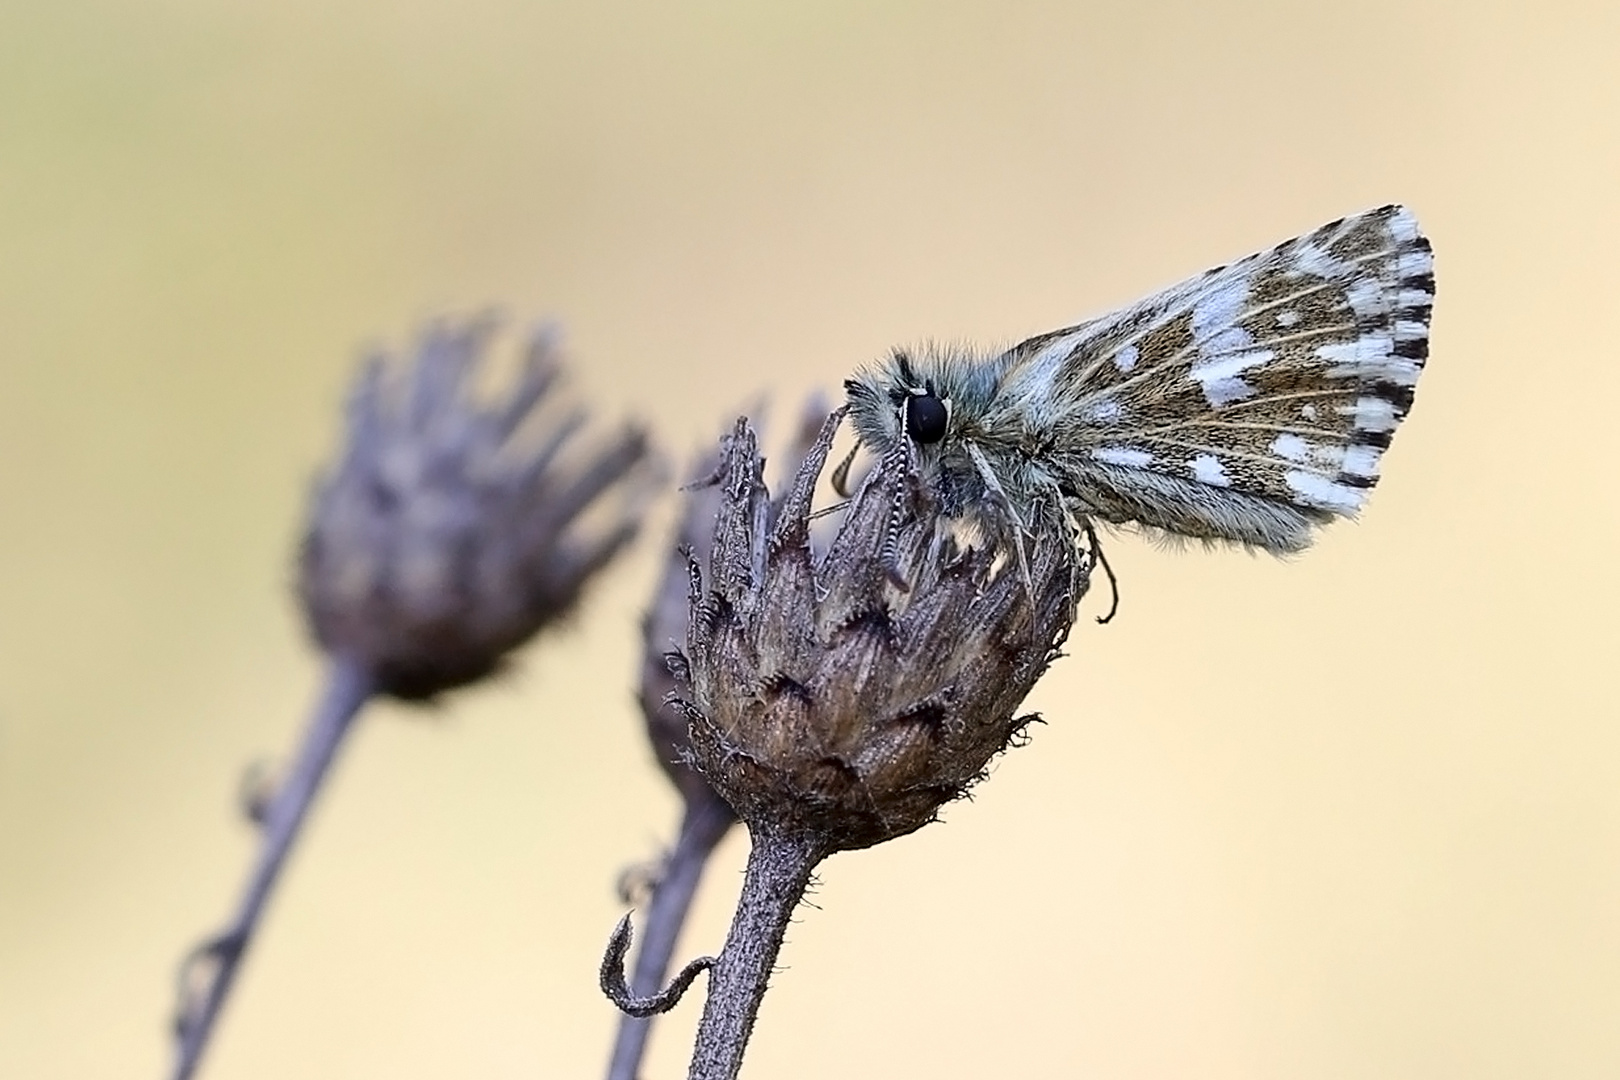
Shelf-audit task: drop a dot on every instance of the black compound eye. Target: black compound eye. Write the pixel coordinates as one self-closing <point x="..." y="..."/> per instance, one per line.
<point x="925" y="418"/>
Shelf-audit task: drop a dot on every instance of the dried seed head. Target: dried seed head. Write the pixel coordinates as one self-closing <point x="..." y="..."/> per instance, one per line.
<point x="664" y="627"/>
<point x="451" y="530"/>
<point x="846" y="697"/>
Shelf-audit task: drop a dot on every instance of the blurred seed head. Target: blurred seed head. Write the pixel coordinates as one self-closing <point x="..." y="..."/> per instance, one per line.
<point x="664" y="627"/>
<point x="452" y="529"/>
<point x="847" y="695"/>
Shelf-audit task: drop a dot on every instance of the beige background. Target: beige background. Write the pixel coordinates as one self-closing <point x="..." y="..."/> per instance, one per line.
<point x="1356" y="815"/>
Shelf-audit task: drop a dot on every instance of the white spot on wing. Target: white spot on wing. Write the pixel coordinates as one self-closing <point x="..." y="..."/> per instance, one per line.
<point x="1207" y="468"/>
<point x="1319" y="262"/>
<point x="1222" y="367"/>
<point x="1314" y="489"/>
<point x="1125" y="359"/>
<point x="1123" y="455"/>
<point x="1219" y="376"/>
<point x="1412" y="263"/>
<point x="1371" y="357"/>
<point x="1287" y="318"/>
<point x="1368" y="298"/>
<point x="1103" y="411"/>
<point x="1290" y="447"/>
<point x="1361" y="461"/>
<point x="1403" y="227"/>
<point x="1365" y="350"/>
<point x="1373" y="414"/>
<point x="1215" y="316"/>
<point x="1225" y="391"/>
<point x="1220" y="306"/>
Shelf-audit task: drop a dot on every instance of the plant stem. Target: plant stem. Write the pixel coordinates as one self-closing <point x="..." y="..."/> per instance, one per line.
<point x="706" y="821"/>
<point x="348" y="688"/>
<point x="779" y="869"/>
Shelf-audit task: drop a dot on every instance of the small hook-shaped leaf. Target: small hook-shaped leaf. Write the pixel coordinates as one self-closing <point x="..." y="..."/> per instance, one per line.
<point x="618" y="990"/>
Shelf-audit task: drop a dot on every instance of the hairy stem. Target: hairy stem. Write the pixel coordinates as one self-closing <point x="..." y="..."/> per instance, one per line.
<point x="779" y="869"/>
<point x="348" y="688"/>
<point x="706" y="821"/>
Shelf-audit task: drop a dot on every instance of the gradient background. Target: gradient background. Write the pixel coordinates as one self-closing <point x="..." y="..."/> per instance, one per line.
<point x="1355" y="815"/>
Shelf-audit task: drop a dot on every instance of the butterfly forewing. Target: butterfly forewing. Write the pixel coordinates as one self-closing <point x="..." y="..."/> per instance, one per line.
<point x="1281" y="377"/>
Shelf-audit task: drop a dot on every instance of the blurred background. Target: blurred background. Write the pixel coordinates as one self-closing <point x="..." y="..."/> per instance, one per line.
<point x="1356" y="814"/>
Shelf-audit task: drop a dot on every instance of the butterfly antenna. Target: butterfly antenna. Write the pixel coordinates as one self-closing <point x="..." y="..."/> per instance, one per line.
<point x="897" y="458"/>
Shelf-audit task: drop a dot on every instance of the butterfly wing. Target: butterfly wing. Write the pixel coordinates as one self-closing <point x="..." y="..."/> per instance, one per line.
<point x="1250" y="403"/>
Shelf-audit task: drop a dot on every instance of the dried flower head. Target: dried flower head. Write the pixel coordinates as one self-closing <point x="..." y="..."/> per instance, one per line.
<point x="706" y="817"/>
<point x="451" y="530"/>
<point x="664" y="627"/>
<point x="844" y="698"/>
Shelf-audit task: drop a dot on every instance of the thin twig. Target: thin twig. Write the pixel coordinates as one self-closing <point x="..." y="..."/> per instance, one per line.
<point x="779" y="869"/>
<point x="706" y="821"/>
<point x="347" y="690"/>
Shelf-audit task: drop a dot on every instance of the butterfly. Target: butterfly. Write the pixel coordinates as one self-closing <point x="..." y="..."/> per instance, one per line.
<point x="1250" y="404"/>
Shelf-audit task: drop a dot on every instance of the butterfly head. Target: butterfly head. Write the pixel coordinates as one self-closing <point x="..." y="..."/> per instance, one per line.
<point x="914" y="398"/>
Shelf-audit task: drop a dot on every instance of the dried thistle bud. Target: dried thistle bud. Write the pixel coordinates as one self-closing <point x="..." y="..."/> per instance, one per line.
<point x="661" y="629"/>
<point x="664" y="627"/>
<point x="844" y="698"/>
<point x="705" y="817"/>
<point x="452" y="529"/>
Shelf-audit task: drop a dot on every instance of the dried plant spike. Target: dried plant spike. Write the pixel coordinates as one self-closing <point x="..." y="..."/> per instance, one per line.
<point x="664" y="629"/>
<point x="829" y="700"/>
<point x="451" y="530"/>
<point x="838" y="698"/>
<point x="706" y="817"/>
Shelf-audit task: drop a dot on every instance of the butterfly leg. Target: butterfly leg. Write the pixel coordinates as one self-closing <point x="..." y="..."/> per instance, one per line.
<point x="1095" y="551"/>
<point x="988" y="475"/>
